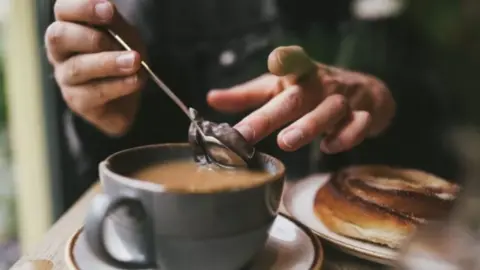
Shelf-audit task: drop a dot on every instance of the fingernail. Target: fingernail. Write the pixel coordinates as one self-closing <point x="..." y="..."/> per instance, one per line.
<point x="292" y="138"/>
<point x="132" y="79"/>
<point x="247" y="132"/>
<point x="104" y="10"/>
<point x="334" y="146"/>
<point x="212" y="92"/>
<point x="125" y="60"/>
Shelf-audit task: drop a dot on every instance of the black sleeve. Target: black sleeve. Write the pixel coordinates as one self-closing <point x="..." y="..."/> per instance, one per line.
<point x="87" y="146"/>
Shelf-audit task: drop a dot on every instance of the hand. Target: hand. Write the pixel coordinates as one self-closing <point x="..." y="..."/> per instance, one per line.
<point x="345" y="106"/>
<point x="98" y="79"/>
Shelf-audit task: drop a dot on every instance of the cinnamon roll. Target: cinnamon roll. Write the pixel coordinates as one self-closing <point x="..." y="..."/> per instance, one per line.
<point x="380" y="204"/>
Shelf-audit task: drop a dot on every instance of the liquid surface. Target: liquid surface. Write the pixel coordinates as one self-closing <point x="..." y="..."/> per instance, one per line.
<point x="186" y="175"/>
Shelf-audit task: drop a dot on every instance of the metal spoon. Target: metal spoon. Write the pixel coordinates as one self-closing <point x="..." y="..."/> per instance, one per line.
<point x="216" y="151"/>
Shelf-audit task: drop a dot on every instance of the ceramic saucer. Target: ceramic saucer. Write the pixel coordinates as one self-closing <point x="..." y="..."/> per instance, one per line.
<point x="289" y="246"/>
<point x="298" y="201"/>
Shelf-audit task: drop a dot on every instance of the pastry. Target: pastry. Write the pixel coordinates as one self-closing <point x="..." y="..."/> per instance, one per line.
<point x="381" y="204"/>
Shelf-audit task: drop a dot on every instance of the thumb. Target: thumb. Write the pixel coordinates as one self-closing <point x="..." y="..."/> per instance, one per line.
<point x="290" y="62"/>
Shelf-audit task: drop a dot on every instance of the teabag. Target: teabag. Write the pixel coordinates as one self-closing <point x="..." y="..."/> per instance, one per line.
<point x="225" y="134"/>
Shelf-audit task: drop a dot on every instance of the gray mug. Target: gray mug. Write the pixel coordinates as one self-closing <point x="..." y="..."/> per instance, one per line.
<point x="173" y="230"/>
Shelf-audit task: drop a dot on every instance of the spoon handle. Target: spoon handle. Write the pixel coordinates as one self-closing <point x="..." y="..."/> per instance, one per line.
<point x="155" y="78"/>
<point x="159" y="82"/>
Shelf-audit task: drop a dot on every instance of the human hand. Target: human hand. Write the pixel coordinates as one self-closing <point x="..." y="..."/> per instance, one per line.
<point x="99" y="81"/>
<point x="345" y="106"/>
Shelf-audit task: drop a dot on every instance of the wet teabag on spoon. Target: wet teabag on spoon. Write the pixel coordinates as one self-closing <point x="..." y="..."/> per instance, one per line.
<point x="227" y="135"/>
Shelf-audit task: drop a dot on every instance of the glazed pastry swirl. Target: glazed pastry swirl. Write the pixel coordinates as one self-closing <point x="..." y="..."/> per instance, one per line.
<point x="381" y="204"/>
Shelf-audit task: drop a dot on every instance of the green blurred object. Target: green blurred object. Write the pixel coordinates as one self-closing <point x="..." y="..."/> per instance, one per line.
<point x="7" y="204"/>
<point x="3" y="107"/>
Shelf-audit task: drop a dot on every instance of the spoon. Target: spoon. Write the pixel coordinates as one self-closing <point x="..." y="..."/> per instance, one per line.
<point x="214" y="149"/>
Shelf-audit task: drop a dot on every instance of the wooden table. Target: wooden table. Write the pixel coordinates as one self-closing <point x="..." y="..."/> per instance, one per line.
<point x="51" y="251"/>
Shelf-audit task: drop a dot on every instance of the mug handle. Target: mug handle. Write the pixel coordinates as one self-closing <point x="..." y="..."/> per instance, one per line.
<point x="102" y="206"/>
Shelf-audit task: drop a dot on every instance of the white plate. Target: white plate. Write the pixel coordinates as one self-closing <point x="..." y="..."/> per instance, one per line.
<point x="298" y="201"/>
<point x="290" y="246"/>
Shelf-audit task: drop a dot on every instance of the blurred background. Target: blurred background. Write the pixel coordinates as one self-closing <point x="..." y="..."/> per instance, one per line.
<point x="429" y="50"/>
<point x="9" y="248"/>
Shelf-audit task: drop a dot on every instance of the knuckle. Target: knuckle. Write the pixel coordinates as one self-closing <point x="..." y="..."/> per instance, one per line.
<point x="74" y="69"/>
<point x="54" y="33"/>
<point x="338" y="102"/>
<point x="77" y="104"/>
<point x="264" y="124"/>
<point x="50" y="56"/>
<point x="67" y="96"/>
<point x="61" y="75"/>
<point x="74" y="102"/>
<point x="57" y="8"/>
<point x="126" y="86"/>
<point x="100" y="92"/>
<point x="258" y="124"/>
<point x="97" y="40"/>
<point x="293" y="99"/>
<point x="135" y="82"/>
<point x="310" y="128"/>
<point x="58" y="75"/>
<point x="105" y="62"/>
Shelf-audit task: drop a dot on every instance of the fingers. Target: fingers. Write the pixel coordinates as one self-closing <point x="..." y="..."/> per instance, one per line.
<point x="246" y="96"/>
<point x="64" y="39"/>
<point x="291" y="62"/>
<point x="349" y="135"/>
<point x="97" y="12"/>
<point x="96" y="76"/>
<point x="323" y="117"/>
<point x="86" y="97"/>
<point x="83" y="68"/>
<point x="287" y="106"/>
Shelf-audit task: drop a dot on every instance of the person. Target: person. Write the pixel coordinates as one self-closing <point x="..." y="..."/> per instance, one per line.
<point x="213" y="55"/>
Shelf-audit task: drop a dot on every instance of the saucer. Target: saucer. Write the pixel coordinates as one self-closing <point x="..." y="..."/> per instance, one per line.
<point x="298" y="201"/>
<point x="290" y="246"/>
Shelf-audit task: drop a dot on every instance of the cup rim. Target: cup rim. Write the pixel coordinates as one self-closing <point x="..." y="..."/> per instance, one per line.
<point x="153" y="187"/>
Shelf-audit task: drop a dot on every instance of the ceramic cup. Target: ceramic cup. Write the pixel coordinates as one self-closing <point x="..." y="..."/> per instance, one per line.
<point x="173" y="230"/>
